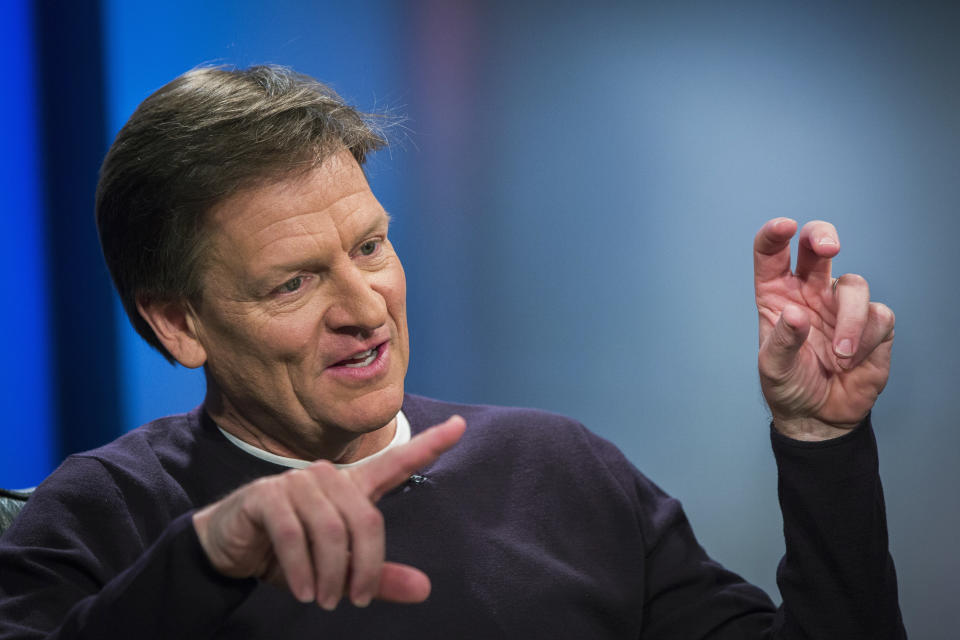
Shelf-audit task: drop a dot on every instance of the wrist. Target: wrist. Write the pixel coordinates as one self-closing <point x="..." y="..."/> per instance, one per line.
<point x="809" y="429"/>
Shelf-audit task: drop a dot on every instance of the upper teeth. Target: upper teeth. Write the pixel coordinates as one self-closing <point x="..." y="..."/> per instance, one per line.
<point x="366" y="358"/>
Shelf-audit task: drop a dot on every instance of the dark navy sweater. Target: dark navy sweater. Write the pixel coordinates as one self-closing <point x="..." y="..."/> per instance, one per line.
<point x="531" y="527"/>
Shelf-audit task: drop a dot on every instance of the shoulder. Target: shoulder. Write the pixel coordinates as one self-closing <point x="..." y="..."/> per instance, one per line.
<point x="529" y="438"/>
<point x="498" y="425"/>
<point x="156" y="443"/>
<point x="424" y="412"/>
<point x="514" y="449"/>
<point x="133" y="474"/>
<point x="139" y="453"/>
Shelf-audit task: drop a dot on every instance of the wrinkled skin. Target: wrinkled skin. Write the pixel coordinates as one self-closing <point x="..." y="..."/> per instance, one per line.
<point x="824" y="346"/>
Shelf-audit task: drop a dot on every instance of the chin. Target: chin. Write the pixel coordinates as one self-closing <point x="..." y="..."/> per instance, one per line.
<point x="372" y="411"/>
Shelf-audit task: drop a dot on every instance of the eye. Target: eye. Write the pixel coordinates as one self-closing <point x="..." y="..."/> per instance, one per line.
<point x="291" y="285"/>
<point x="369" y="247"/>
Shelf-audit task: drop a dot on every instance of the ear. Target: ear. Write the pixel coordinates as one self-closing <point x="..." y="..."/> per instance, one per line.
<point x="175" y="325"/>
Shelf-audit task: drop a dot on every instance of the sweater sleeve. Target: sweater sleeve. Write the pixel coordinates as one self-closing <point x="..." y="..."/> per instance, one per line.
<point x="836" y="577"/>
<point x="75" y="564"/>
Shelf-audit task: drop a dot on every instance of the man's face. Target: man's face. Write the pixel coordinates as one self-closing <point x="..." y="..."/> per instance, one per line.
<point x="303" y="316"/>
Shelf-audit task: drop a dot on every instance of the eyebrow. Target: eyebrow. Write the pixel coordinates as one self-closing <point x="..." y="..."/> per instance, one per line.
<point x="375" y="223"/>
<point x="273" y="272"/>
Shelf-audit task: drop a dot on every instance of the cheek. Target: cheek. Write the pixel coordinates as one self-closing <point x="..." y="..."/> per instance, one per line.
<point x="396" y="298"/>
<point x="394" y="291"/>
<point x="290" y="339"/>
<point x="268" y="341"/>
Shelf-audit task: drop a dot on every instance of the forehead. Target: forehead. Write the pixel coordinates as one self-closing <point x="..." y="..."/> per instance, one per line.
<point x="321" y="209"/>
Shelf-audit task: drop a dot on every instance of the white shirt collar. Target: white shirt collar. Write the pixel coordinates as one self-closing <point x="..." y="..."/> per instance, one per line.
<point x="400" y="435"/>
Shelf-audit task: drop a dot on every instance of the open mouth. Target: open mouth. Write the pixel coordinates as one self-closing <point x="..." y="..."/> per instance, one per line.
<point x="362" y="359"/>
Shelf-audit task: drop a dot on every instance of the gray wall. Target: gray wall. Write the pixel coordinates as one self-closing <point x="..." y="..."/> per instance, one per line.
<point x="596" y="258"/>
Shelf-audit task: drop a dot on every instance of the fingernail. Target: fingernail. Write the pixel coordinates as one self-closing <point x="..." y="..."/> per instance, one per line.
<point x="361" y="601"/>
<point x="845" y="348"/>
<point x="330" y="603"/>
<point x="826" y="242"/>
<point x="305" y="594"/>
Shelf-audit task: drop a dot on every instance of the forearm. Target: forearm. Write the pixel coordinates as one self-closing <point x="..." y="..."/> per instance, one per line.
<point x="837" y="577"/>
<point x="171" y="591"/>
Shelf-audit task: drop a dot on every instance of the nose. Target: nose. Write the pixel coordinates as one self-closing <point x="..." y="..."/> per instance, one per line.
<point x="356" y="307"/>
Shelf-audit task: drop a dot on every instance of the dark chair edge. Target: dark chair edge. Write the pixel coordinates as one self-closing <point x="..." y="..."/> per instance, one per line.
<point x="17" y="494"/>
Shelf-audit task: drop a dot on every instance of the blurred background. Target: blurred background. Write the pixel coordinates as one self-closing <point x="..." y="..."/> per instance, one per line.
<point x="575" y="191"/>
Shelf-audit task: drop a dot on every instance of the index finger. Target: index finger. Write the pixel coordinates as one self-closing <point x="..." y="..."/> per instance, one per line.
<point x="385" y="472"/>
<point x="771" y="249"/>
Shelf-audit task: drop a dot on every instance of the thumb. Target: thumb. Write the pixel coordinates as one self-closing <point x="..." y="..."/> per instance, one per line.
<point x="778" y="352"/>
<point x="403" y="583"/>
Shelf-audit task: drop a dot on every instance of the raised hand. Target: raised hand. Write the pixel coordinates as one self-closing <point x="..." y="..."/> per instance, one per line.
<point x="824" y="346"/>
<point x="318" y="531"/>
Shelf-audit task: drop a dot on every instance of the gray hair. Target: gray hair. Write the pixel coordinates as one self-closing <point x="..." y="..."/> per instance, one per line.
<point x="191" y="144"/>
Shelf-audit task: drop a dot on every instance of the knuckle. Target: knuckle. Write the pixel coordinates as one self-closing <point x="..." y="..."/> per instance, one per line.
<point x="262" y="491"/>
<point x="323" y="470"/>
<point x="262" y="485"/>
<point x="884" y="315"/>
<point x="334" y="532"/>
<point x="293" y="478"/>
<point x="250" y="499"/>
<point x="287" y="533"/>
<point x="370" y="520"/>
<point x="853" y="280"/>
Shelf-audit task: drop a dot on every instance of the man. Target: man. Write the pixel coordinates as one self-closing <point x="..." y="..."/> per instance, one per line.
<point x="243" y="237"/>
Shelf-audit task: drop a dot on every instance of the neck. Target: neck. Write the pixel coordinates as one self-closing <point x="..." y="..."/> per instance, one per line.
<point x="308" y="441"/>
